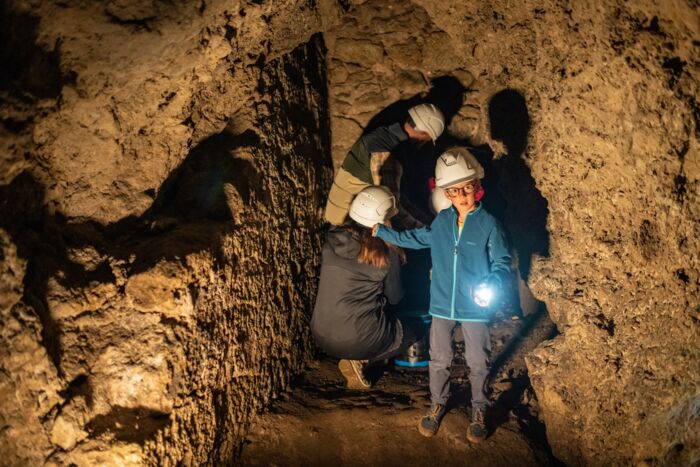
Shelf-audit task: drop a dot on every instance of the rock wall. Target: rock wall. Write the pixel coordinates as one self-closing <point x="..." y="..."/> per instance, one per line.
<point x="610" y="91"/>
<point x="163" y="165"/>
<point x="159" y="225"/>
<point x="114" y="94"/>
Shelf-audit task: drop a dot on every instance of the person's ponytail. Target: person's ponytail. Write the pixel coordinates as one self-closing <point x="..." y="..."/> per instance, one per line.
<point x="373" y="250"/>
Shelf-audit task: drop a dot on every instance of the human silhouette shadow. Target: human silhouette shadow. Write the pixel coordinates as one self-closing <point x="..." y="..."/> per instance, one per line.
<point x="190" y="214"/>
<point x="523" y="211"/>
<point x="526" y="209"/>
<point x="446" y="93"/>
<point x="196" y="190"/>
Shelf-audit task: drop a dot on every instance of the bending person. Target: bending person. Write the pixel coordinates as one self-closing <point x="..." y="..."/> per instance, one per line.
<point x="371" y="161"/>
<point x="359" y="275"/>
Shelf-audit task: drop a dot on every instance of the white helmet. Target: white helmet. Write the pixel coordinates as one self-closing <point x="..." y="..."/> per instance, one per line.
<point x="428" y="118"/>
<point x="373" y="205"/>
<point x="438" y="201"/>
<point x="456" y="165"/>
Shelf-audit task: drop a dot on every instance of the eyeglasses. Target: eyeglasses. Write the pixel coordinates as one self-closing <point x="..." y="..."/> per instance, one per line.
<point x="467" y="189"/>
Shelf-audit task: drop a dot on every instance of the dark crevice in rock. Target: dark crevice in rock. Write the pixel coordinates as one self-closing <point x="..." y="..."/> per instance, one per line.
<point x="604" y="323"/>
<point x="129" y="424"/>
<point x="15" y="126"/>
<point x="675" y="67"/>
<point x="79" y="386"/>
<point x="648" y="239"/>
<point x="682" y="276"/>
<point x="680" y="187"/>
<point x="143" y="24"/>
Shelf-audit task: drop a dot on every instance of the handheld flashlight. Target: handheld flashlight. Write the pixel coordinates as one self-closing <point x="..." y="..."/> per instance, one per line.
<point x="483" y="294"/>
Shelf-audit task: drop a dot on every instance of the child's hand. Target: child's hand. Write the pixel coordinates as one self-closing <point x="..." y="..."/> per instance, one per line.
<point x="483" y="294"/>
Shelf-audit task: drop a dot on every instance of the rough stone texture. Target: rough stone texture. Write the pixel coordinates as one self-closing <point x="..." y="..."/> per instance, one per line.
<point x="126" y="88"/>
<point x="384" y="53"/>
<point x="611" y="91"/>
<point x="145" y="314"/>
<point x="159" y="226"/>
<point x="28" y="382"/>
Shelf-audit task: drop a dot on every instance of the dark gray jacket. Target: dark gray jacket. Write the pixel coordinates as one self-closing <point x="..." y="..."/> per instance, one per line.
<point x="349" y="320"/>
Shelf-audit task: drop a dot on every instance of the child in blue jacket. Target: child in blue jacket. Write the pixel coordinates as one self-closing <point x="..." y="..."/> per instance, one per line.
<point x="471" y="262"/>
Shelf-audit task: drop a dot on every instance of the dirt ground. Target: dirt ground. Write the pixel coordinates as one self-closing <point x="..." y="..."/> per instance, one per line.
<point x="319" y="421"/>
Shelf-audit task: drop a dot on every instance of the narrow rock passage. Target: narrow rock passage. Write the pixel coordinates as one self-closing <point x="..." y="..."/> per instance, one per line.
<point x="319" y="421"/>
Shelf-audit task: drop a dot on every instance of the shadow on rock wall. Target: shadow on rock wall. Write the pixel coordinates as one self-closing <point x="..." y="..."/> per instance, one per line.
<point x="24" y="217"/>
<point x="214" y="182"/>
<point x="526" y="210"/>
<point x="211" y="184"/>
<point x="185" y="287"/>
<point x="63" y="255"/>
<point x="446" y="92"/>
<point x="26" y="67"/>
<point x="511" y="192"/>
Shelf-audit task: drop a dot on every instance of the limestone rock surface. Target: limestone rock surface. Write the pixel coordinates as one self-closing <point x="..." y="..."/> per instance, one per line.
<point x="164" y="166"/>
<point x="612" y="146"/>
<point x="159" y="225"/>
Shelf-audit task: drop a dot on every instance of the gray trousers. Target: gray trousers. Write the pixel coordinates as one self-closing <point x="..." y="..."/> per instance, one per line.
<point x="477" y="346"/>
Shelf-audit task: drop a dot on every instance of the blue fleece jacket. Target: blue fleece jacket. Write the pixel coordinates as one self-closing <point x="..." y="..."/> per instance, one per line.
<point x="461" y="261"/>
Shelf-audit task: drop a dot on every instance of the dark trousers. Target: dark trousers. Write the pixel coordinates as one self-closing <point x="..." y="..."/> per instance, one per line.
<point x="407" y="333"/>
<point x="477" y="346"/>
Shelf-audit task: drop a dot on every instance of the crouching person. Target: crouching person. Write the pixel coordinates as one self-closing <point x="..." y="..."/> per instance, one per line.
<point x="470" y="262"/>
<point x="360" y="274"/>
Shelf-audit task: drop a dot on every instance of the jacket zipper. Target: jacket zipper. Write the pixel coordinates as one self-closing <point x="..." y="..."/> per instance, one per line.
<point x="456" y="238"/>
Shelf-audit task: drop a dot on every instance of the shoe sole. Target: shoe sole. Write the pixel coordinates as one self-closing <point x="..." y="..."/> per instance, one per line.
<point x="426" y="433"/>
<point x="348" y="371"/>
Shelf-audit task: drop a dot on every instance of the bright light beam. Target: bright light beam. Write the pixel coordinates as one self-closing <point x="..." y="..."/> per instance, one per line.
<point x="483" y="294"/>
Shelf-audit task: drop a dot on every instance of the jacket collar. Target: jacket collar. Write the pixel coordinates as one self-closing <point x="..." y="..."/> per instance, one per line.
<point x="478" y="209"/>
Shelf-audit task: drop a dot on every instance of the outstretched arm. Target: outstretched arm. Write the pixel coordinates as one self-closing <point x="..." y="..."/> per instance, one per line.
<point x="415" y="239"/>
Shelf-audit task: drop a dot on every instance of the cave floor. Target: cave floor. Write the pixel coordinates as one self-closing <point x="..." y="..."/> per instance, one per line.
<point x="319" y="421"/>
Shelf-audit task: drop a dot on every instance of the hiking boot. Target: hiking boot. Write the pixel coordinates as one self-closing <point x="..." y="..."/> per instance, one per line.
<point x="476" y="432"/>
<point x="353" y="371"/>
<point x="430" y="423"/>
